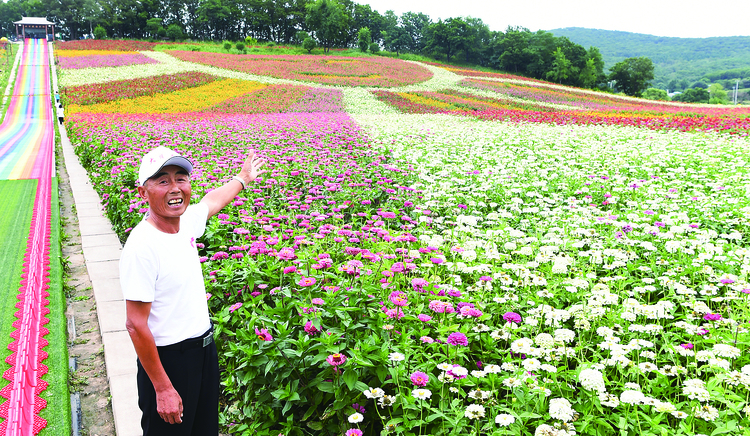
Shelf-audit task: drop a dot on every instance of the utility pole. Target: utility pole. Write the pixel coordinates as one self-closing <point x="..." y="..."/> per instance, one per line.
<point x="736" y="90"/>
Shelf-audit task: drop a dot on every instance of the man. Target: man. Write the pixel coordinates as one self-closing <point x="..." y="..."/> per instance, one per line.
<point x="167" y="313"/>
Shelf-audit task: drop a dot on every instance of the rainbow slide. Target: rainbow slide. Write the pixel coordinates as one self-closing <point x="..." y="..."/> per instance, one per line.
<point x="26" y="156"/>
<point x="28" y="129"/>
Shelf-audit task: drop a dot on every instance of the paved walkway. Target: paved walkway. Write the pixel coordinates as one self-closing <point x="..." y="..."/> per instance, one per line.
<point x="101" y="251"/>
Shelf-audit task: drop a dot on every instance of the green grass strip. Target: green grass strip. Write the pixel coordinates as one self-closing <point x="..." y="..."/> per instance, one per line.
<point x="16" y="210"/>
<point x="57" y="412"/>
<point x="15" y="220"/>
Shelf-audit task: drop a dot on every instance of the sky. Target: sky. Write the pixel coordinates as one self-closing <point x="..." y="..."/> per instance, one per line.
<point x="683" y="19"/>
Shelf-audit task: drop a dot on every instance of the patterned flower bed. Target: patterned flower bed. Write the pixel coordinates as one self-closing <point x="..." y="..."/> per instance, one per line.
<point x="104" y="44"/>
<point x="116" y="90"/>
<point x="448" y="101"/>
<point x="184" y="100"/>
<point x="586" y="99"/>
<point x="333" y="70"/>
<point x="462" y="104"/>
<point x="98" y="61"/>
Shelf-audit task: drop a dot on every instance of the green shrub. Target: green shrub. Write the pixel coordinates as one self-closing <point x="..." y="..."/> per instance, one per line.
<point x="227" y="46"/>
<point x="100" y="32"/>
<point x="374" y="47"/>
<point x="174" y="32"/>
<point x="240" y="46"/>
<point x="308" y="44"/>
<point x="249" y="40"/>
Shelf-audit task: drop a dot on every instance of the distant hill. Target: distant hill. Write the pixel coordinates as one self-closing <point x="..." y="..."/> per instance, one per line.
<point x="685" y="60"/>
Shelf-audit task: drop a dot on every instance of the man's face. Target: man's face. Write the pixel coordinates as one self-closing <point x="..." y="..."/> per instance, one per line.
<point x="167" y="192"/>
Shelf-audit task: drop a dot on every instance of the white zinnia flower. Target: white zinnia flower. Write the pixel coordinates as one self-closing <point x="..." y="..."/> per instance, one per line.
<point x="559" y="408"/>
<point x="631" y="397"/>
<point x="374" y="392"/>
<point x="421" y="394"/>
<point x="396" y="357"/>
<point x="504" y="419"/>
<point x="356" y="417"/>
<point x="474" y="411"/>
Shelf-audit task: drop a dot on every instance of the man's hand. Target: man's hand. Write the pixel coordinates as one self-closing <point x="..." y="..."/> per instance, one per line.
<point x="251" y="169"/>
<point x="217" y="199"/>
<point x="169" y="406"/>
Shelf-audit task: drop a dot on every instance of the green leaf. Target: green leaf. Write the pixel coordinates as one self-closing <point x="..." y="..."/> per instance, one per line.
<point x="350" y="378"/>
<point x="317" y="426"/>
<point x="729" y="427"/>
<point x="326" y="387"/>
<point x="286" y="408"/>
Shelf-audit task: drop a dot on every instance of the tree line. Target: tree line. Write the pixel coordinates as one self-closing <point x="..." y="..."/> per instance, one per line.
<point x="329" y="23"/>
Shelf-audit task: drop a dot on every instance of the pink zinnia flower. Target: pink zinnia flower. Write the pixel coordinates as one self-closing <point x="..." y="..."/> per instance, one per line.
<point x="307" y="281"/>
<point x="234" y="307"/>
<point x="712" y="317"/>
<point x="318" y="301"/>
<point x="290" y="269"/>
<point x="458" y="338"/>
<point x="336" y="359"/>
<point x="424" y="318"/>
<point x="353" y="432"/>
<point x="263" y="334"/>
<point x="419" y="378"/>
<point x="310" y="328"/>
<point x="512" y="317"/>
<point x="398" y="298"/>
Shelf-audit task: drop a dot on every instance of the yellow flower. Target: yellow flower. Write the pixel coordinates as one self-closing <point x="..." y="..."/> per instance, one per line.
<point x="184" y="100"/>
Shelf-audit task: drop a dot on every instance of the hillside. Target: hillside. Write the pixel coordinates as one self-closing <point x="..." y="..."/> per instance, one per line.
<point x="680" y="59"/>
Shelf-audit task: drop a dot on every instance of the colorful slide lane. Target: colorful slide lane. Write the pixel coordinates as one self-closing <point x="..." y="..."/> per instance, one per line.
<point x="26" y="152"/>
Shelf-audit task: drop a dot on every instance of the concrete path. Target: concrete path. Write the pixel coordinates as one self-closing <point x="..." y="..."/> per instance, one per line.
<point x="101" y="251"/>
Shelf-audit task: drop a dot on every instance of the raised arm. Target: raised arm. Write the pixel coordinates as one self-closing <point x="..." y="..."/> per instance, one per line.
<point x="223" y="195"/>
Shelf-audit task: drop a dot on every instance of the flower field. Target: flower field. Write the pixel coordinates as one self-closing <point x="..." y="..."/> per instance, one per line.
<point x="446" y="260"/>
<point x="332" y="70"/>
<point x="121" y="89"/>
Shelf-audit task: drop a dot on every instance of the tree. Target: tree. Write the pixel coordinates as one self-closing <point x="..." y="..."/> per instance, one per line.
<point x="588" y="76"/>
<point x="718" y="94"/>
<point x="396" y="39"/>
<point x="655" y="94"/>
<point x="364" y="39"/>
<point x="153" y="25"/>
<point x="633" y="75"/>
<point x="174" y="32"/>
<point x="438" y="39"/>
<point x="100" y="33"/>
<point x="414" y="24"/>
<point x="514" y="55"/>
<point x="595" y="56"/>
<point x="692" y="95"/>
<point x="560" y="67"/>
<point x="309" y="44"/>
<point x="327" y="19"/>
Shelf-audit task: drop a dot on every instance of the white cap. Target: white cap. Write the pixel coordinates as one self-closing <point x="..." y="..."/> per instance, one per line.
<point x="157" y="159"/>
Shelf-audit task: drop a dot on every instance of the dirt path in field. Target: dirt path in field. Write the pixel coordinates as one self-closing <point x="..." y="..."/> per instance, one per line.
<point x="90" y="379"/>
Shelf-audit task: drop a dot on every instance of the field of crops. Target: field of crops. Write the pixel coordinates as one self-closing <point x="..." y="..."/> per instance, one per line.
<point x="465" y="253"/>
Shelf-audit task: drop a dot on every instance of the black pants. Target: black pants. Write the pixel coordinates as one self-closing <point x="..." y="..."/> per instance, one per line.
<point x="194" y="373"/>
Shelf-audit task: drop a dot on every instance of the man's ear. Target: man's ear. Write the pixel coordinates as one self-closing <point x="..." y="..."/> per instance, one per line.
<point x="142" y="192"/>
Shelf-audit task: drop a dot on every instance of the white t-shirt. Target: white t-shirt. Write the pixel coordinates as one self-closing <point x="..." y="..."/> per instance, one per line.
<point x="164" y="269"/>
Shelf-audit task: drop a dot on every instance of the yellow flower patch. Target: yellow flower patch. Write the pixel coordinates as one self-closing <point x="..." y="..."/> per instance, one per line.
<point x="184" y="100"/>
<point x="77" y="53"/>
<point x="428" y="101"/>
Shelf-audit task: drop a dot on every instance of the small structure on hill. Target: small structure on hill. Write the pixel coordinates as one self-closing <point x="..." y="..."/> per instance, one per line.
<point x="35" y="27"/>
